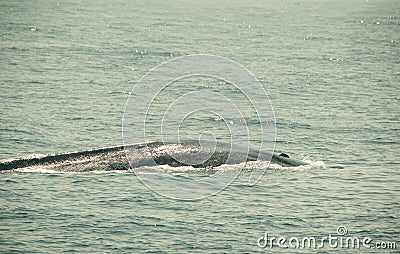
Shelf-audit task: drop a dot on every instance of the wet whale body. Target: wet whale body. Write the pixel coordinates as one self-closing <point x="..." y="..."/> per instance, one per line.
<point x="145" y="154"/>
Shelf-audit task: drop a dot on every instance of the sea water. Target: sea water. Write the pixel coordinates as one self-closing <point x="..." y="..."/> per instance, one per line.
<point x="331" y="71"/>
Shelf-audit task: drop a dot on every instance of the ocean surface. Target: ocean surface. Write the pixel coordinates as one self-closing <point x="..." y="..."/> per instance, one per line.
<point x="332" y="73"/>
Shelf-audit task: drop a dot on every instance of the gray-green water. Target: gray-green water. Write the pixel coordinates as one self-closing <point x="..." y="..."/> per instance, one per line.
<point x="331" y="69"/>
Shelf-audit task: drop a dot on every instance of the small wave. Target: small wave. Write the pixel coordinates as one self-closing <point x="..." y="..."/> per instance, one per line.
<point x="269" y="165"/>
<point x="40" y="170"/>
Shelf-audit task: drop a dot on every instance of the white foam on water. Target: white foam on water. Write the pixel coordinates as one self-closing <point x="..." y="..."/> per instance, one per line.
<point x="269" y="165"/>
<point x="38" y="169"/>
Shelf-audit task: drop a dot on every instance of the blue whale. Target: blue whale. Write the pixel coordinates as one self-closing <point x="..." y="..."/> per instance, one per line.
<point x="145" y="154"/>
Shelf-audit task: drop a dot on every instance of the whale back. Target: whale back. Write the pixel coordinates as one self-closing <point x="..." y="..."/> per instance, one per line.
<point x="188" y="153"/>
